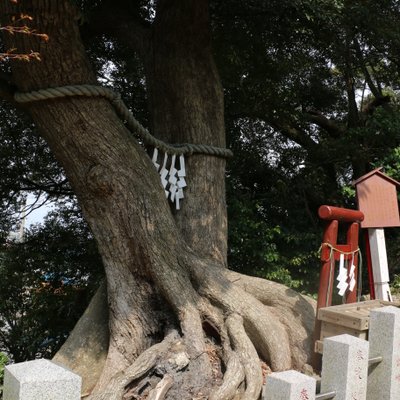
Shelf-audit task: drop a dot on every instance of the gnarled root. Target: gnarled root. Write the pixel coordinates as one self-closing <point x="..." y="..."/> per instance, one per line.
<point x="244" y="319"/>
<point x="295" y="311"/>
<point x="247" y="353"/>
<point x="233" y="378"/>
<point x="145" y="362"/>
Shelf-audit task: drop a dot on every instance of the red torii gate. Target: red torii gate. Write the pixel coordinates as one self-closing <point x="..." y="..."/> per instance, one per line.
<point x="330" y="253"/>
<point x="330" y="248"/>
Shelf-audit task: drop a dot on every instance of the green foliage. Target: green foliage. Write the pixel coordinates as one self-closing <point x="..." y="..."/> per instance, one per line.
<point x="251" y="239"/>
<point x="299" y="132"/>
<point x="269" y="234"/>
<point x="27" y="166"/>
<point x="3" y="363"/>
<point x="391" y="163"/>
<point x="46" y="283"/>
<point x="395" y="285"/>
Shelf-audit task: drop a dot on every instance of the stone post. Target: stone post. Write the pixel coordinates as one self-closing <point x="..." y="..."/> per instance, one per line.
<point x="289" y="385"/>
<point x="40" y="380"/>
<point x="384" y="341"/>
<point x="345" y="367"/>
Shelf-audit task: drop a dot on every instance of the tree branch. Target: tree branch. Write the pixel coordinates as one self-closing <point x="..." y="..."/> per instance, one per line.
<point x="374" y="89"/>
<point x="291" y="132"/>
<point x="353" y="117"/>
<point x="7" y="88"/>
<point x="295" y="134"/>
<point x="375" y="103"/>
<point x="334" y="129"/>
<point x="117" y="19"/>
<point x="51" y="188"/>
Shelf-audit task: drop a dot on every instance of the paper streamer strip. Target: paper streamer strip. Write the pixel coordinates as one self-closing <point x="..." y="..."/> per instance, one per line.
<point x="172" y="179"/>
<point x="181" y="182"/>
<point x="342" y="277"/>
<point x="352" y="282"/>
<point x="164" y="174"/>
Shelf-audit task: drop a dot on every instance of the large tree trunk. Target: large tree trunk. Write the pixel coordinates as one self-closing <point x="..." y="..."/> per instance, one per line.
<point x="166" y="284"/>
<point x="186" y="104"/>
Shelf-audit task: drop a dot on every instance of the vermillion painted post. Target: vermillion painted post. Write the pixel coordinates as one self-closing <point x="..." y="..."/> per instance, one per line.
<point x="377" y="199"/>
<point x="330" y="248"/>
<point x="331" y="252"/>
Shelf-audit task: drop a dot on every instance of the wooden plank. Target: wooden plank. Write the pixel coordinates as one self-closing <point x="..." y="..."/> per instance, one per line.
<point x="319" y="347"/>
<point x="361" y="304"/>
<point x="348" y="320"/>
<point x="357" y="307"/>
<point x="355" y="315"/>
<point x="352" y="319"/>
<point x="328" y="330"/>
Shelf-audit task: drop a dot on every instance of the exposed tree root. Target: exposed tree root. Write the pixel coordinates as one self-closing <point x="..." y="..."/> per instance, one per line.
<point x="248" y="357"/>
<point x="144" y="363"/>
<point x="244" y="318"/>
<point x="233" y="378"/>
<point x="265" y="331"/>
<point x="137" y="324"/>
<point x="161" y="389"/>
<point x="295" y="311"/>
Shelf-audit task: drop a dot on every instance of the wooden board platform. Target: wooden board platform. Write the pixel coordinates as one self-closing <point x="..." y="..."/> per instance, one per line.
<point x="352" y="319"/>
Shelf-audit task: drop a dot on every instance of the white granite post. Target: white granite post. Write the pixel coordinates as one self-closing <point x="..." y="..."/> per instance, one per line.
<point x="289" y="385"/>
<point x="345" y="367"/>
<point x="379" y="261"/>
<point x="384" y="341"/>
<point x="40" y="380"/>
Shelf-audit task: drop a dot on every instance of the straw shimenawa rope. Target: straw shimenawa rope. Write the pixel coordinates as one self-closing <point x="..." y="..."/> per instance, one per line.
<point x="124" y="113"/>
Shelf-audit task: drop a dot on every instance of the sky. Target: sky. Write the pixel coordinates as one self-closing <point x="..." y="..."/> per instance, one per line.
<point x="37" y="215"/>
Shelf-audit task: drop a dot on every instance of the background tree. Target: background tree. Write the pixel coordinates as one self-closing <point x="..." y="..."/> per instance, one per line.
<point x="311" y="104"/>
<point x="3" y="361"/>
<point x="46" y="282"/>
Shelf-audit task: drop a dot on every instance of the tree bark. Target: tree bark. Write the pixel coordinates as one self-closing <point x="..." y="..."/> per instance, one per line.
<point x="164" y="277"/>
<point x="94" y="147"/>
<point x="186" y="105"/>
